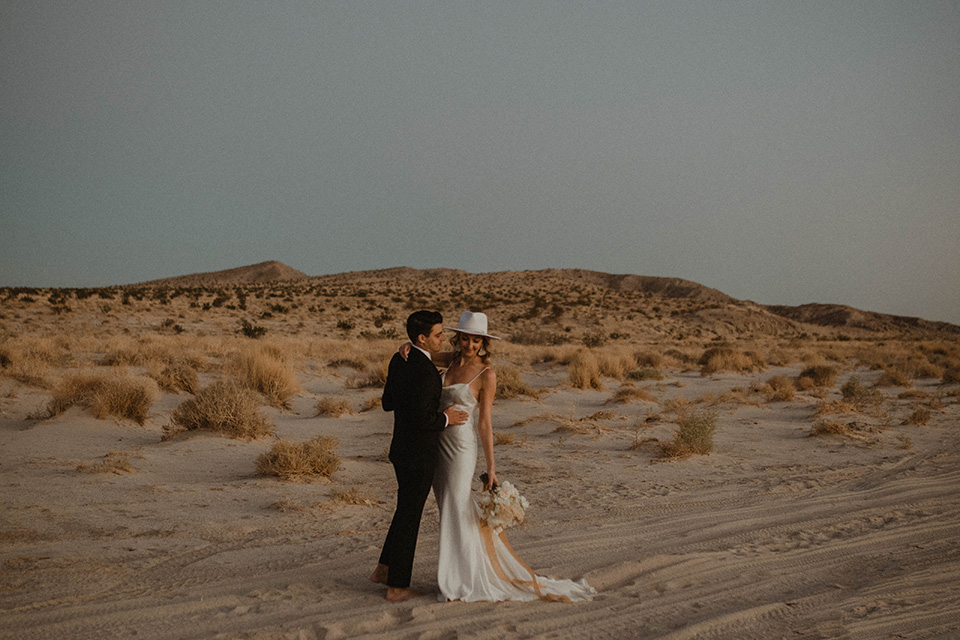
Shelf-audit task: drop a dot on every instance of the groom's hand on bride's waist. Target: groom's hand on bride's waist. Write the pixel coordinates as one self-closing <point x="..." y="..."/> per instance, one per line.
<point x="455" y="416"/>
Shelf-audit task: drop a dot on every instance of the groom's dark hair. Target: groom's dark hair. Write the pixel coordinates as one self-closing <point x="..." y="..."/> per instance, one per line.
<point x="421" y="322"/>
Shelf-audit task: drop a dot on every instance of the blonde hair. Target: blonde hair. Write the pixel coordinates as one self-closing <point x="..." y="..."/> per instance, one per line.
<point x="484" y="351"/>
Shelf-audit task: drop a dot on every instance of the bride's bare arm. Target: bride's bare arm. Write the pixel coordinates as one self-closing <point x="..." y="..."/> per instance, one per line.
<point x="488" y="389"/>
<point x="440" y="358"/>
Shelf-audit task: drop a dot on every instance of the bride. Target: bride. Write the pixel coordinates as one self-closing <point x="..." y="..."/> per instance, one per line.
<point x="475" y="562"/>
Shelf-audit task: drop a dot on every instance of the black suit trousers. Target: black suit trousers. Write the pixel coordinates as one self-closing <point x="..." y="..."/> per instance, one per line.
<point x="413" y="487"/>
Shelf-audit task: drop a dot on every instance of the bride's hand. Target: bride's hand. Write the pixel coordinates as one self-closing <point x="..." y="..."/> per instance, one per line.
<point x="405" y="349"/>
<point x="491" y="481"/>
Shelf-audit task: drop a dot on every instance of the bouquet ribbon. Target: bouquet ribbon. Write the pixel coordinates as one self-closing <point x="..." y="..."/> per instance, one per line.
<point x="487" y="534"/>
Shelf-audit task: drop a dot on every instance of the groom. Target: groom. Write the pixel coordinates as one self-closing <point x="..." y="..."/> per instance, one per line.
<point x="412" y="392"/>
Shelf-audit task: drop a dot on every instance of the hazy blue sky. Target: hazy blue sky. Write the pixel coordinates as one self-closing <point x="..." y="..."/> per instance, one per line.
<point x="783" y="152"/>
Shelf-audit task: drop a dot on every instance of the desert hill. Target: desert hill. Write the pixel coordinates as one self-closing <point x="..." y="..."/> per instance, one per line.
<point x="564" y="299"/>
<point x="263" y="272"/>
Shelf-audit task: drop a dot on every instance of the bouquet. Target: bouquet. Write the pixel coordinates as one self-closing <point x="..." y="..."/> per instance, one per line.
<point x="502" y="506"/>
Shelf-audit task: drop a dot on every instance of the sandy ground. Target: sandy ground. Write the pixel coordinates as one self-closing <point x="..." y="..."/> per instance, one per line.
<point x="776" y="534"/>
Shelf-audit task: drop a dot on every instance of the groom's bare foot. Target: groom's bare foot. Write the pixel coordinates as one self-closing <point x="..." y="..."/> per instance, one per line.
<point x="395" y="594"/>
<point x="379" y="574"/>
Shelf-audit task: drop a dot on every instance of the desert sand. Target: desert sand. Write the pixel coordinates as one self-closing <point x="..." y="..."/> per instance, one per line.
<point x="109" y="529"/>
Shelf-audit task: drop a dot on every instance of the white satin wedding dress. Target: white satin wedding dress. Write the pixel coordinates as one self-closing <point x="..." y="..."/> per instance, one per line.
<point x="475" y="562"/>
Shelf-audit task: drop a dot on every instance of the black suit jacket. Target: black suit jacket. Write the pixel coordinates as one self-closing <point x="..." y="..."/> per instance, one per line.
<point x="412" y="392"/>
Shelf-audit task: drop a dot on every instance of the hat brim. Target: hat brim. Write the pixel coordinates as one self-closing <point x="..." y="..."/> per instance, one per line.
<point x="472" y="333"/>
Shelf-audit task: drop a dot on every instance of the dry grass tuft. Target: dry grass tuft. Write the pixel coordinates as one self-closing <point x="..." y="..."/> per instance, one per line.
<point x="117" y="462"/>
<point x="263" y="370"/>
<point x="178" y="376"/>
<point x="830" y="427"/>
<point x="225" y="407"/>
<point x="862" y="397"/>
<point x="295" y="460"/>
<point x="780" y="389"/>
<point x="835" y="407"/>
<point x="628" y="393"/>
<point x="510" y="384"/>
<point x="585" y="371"/>
<point x="503" y="438"/>
<point x="894" y="377"/>
<point x="615" y="365"/>
<point x="951" y="375"/>
<point x="372" y="403"/>
<point x="106" y="394"/>
<point x="821" y="375"/>
<point x="694" y="435"/>
<point x="334" y="407"/>
<point x="727" y="358"/>
<point x="354" y="496"/>
<point x="919" y="417"/>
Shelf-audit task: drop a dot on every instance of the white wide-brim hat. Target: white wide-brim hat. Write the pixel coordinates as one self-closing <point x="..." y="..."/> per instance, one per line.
<point x="474" y="324"/>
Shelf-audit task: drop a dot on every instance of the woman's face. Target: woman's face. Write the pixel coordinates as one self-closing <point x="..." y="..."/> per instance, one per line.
<point x="470" y="345"/>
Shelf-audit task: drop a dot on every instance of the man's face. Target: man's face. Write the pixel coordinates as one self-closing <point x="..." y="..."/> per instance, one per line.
<point x="434" y="341"/>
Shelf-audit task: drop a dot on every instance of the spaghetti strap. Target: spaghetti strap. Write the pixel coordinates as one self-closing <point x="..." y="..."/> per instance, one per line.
<point x="478" y="375"/>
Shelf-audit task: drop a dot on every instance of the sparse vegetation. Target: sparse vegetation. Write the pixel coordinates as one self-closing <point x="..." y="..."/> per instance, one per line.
<point x="585" y="371"/>
<point x="333" y="407"/>
<point x="510" y="384"/>
<point x="726" y="358"/>
<point x="821" y="375"/>
<point x="262" y="369"/>
<point x="225" y="407"/>
<point x="114" y="394"/>
<point x="780" y="389"/>
<point x="694" y="435"/>
<point x="297" y="460"/>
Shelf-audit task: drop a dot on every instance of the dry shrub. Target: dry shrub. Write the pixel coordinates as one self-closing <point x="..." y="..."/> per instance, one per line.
<point x="951" y="375"/>
<point x="821" y="375"/>
<point x="830" y="427"/>
<point x="127" y="356"/>
<point x="835" y="406"/>
<point x="503" y="438"/>
<point x="375" y="376"/>
<point x="729" y="359"/>
<point x="225" y="407"/>
<point x="778" y="358"/>
<point x="106" y="394"/>
<point x="927" y="370"/>
<point x="780" y="389"/>
<point x="113" y="462"/>
<point x="628" y="393"/>
<point x="510" y="384"/>
<point x="650" y="359"/>
<point x="861" y="396"/>
<point x="34" y="373"/>
<point x="919" y="417"/>
<point x="28" y="361"/>
<point x="646" y="373"/>
<point x="354" y="496"/>
<point x="615" y="365"/>
<point x="676" y="404"/>
<point x="262" y="369"/>
<point x="694" y="435"/>
<point x="373" y="403"/>
<point x="585" y="371"/>
<point x="894" y="377"/>
<point x="334" y="407"/>
<point x="178" y="376"/>
<point x="288" y="460"/>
